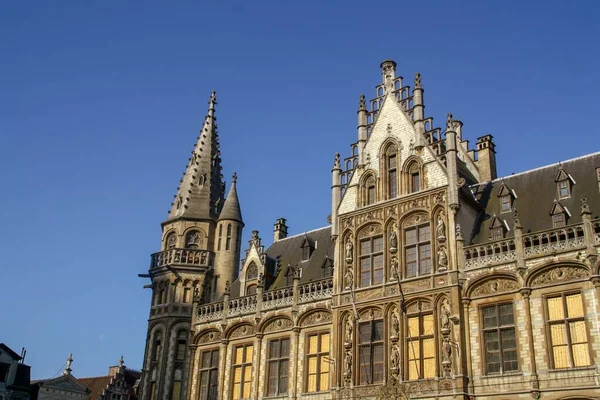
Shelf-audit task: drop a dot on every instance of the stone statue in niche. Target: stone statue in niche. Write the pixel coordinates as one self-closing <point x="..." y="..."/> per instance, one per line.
<point x="394" y="273"/>
<point x="393" y="240"/>
<point x="395" y="325"/>
<point x="446" y="354"/>
<point x="349" y="330"/>
<point x="442" y="259"/>
<point x="445" y="316"/>
<point x="441" y="228"/>
<point x="349" y="252"/>
<point x="395" y="359"/>
<point x="348" y="364"/>
<point x="349" y="277"/>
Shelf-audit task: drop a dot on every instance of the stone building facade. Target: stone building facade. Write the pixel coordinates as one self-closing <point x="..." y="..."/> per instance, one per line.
<point x="435" y="278"/>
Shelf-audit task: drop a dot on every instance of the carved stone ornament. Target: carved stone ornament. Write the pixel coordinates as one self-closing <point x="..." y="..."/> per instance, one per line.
<point x="393" y="239"/>
<point x="213" y="336"/>
<point x="368" y="295"/>
<point x="370" y="230"/>
<point x="349" y="251"/>
<point x="348" y="331"/>
<point x="438" y="198"/>
<point x="394" y="270"/>
<point x="349" y="278"/>
<point x="560" y="274"/>
<point x="440" y="229"/>
<point x="419" y="306"/>
<point x="442" y="259"/>
<point x="371" y="313"/>
<point x="416" y="219"/>
<point x="278" y="325"/>
<point x="446" y="356"/>
<point x="492" y="286"/>
<point x="395" y="360"/>
<point x="418" y="84"/>
<point x="336" y="161"/>
<point x="445" y="316"/>
<point x="415" y="286"/>
<point x="241" y="331"/>
<point x="348" y="365"/>
<point x="316" y="318"/>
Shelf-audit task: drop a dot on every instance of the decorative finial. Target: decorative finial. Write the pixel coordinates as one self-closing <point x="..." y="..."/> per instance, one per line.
<point x="213" y="100"/>
<point x="261" y="280"/>
<point x="196" y="295"/>
<point x="227" y="287"/>
<point x="449" y="120"/>
<point x="418" y="81"/>
<point x="362" y="104"/>
<point x="336" y="161"/>
<point x="585" y="207"/>
<point x="234" y="178"/>
<point x="459" y="235"/>
<point x="517" y="219"/>
<point x="121" y="361"/>
<point x="68" y="369"/>
<point x="254" y="235"/>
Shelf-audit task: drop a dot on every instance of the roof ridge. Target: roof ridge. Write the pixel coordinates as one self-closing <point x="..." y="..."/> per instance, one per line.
<point x="559" y="163"/>
<point x="302" y="233"/>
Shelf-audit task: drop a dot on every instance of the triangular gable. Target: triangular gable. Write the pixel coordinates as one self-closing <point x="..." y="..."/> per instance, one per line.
<point x="67" y="383"/>
<point x="563" y="176"/>
<point x="327" y="262"/>
<point x="306" y="241"/>
<point x="504" y="190"/>
<point x="497" y="223"/>
<point x="557" y="208"/>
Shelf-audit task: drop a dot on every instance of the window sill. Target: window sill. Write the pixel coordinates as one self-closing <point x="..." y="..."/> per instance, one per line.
<point x="502" y="375"/>
<point x="559" y="370"/>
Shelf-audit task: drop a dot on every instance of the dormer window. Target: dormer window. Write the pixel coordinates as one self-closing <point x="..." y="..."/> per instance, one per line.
<point x="305" y="253"/>
<point x="506" y="197"/>
<point x="327" y="267"/>
<point x="497" y="229"/>
<point x="564" y="184"/>
<point x="306" y="248"/>
<point x="559" y="215"/>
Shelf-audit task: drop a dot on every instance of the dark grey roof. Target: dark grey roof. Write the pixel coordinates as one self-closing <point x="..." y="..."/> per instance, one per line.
<point x="231" y="209"/>
<point x="288" y="251"/>
<point x="536" y="193"/>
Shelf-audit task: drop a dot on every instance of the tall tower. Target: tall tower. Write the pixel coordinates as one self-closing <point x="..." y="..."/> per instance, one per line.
<point x="190" y="264"/>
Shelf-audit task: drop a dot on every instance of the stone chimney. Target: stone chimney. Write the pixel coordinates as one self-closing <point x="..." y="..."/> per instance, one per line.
<point x="486" y="158"/>
<point x="280" y="230"/>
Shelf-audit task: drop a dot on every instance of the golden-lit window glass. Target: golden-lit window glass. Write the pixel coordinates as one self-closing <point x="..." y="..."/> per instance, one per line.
<point x="242" y="372"/>
<point x="421" y="346"/>
<point x="568" y="334"/>
<point x="317" y="362"/>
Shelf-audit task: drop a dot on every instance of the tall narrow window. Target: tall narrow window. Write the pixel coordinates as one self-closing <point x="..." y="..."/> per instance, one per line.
<point x="420" y="347"/>
<point x="278" y="360"/>
<point x="181" y="345"/>
<point x="157" y="347"/>
<point x="568" y="336"/>
<point x="371" y="194"/>
<point x="228" y="239"/>
<point x="563" y="189"/>
<point x="317" y="362"/>
<point x="558" y="220"/>
<point x="220" y="236"/>
<point x="170" y="242"/>
<point x="392" y="177"/>
<point x="176" y="389"/>
<point x="209" y="372"/>
<point x="371" y="261"/>
<point x="187" y="293"/>
<point x="417" y="251"/>
<point x="242" y="372"/>
<point x="415" y="178"/>
<point x="370" y="352"/>
<point x="500" y="343"/>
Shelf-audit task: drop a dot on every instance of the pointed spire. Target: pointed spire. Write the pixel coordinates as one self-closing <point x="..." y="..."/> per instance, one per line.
<point x="68" y="369"/>
<point x="201" y="189"/>
<point x="231" y="208"/>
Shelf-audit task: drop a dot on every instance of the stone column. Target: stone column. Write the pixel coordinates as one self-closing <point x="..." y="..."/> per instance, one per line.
<point x="257" y="372"/>
<point x="222" y="366"/>
<point x="525" y="294"/>
<point x="467" y="346"/>
<point x="294" y="380"/>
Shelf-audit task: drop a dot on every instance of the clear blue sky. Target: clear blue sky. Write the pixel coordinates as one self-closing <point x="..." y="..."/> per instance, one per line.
<point x="101" y="101"/>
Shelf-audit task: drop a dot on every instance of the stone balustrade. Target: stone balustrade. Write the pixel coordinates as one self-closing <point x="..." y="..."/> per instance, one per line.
<point x="242" y="305"/>
<point x="315" y="290"/>
<point x="191" y="257"/>
<point x="493" y="253"/>
<point x="277" y="298"/>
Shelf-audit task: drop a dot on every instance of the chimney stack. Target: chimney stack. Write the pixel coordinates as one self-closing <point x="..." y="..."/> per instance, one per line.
<point x="280" y="230"/>
<point x="486" y="158"/>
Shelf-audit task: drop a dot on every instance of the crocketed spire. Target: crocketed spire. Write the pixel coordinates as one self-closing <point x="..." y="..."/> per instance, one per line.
<point x="231" y="210"/>
<point x="200" y="192"/>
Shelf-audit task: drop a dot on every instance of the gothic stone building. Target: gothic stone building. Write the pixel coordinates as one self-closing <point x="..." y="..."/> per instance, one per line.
<point x="435" y="278"/>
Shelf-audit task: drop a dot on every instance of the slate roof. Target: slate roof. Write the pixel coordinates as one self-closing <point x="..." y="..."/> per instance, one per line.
<point x="231" y="209"/>
<point x="288" y="252"/>
<point x="536" y="192"/>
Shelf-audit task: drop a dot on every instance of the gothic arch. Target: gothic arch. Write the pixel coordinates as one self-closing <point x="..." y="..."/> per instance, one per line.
<point x="315" y="316"/>
<point x="169" y="235"/>
<point x="556" y="272"/>
<point x="279" y="322"/>
<point x="411" y="166"/>
<point x="492" y="283"/>
<point x="367" y="181"/>
<point x="368" y="229"/>
<point x="410" y="219"/>
<point x="365" y="313"/>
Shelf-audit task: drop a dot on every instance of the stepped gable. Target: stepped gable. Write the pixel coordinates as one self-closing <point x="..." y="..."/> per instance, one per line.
<point x="536" y="193"/>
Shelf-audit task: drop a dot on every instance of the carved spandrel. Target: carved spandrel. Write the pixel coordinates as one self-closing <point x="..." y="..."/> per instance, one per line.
<point x="493" y="286"/>
<point x="278" y="325"/>
<point x="241" y="331"/>
<point x="560" y="274"/>
<point x="209" y="337"/>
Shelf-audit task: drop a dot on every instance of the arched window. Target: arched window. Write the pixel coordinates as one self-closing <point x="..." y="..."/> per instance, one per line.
<point x="392" y="177"/>
<point x="193" y="239"/>
<point x="228" y="239"/>
<point x="220" y="236"/>
<point x="369" y="195"/>
<point x="414" y="176"/>
<point x="252" y="272"/>
<point x="417" y="250"/>
<point x="157" y="346"/>
<point x="250" y="290"/>
<point x="170" y="242"/>
<point x="420" y="345"/>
